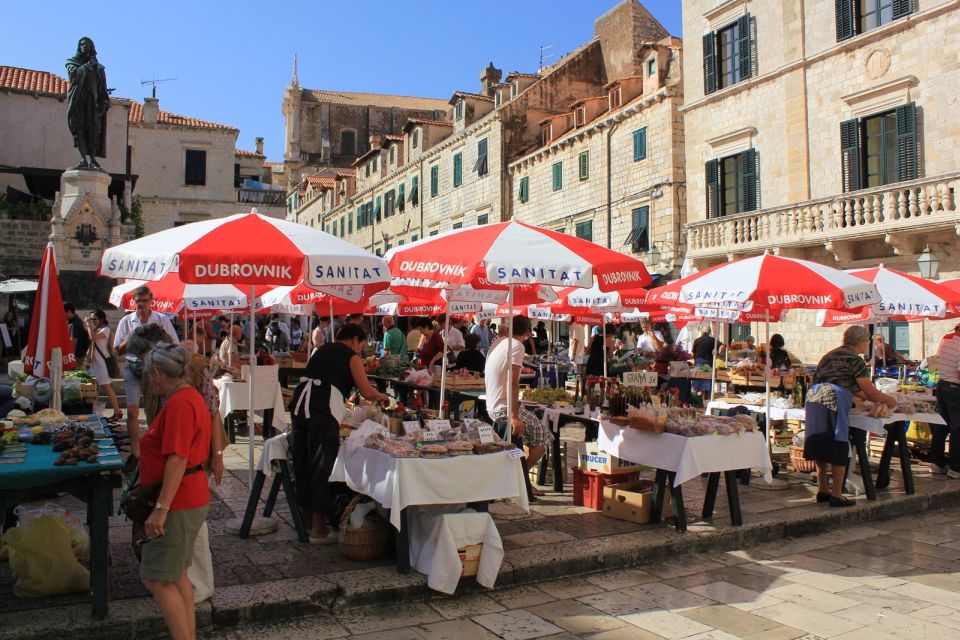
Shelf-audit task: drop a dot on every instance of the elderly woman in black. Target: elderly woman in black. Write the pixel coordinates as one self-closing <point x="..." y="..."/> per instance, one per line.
<point x="316" y="410"/>
<point x="840" y="375"/>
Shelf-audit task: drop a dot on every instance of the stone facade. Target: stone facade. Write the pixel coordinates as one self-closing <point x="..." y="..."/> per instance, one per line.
<point x="805" y="82"/>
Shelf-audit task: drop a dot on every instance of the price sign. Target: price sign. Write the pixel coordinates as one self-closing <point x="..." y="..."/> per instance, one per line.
<point x="486" y="433"/>
<point x="437" y="425"/>
<point x="640" y="378"/>
<point x="515" y="453"/>
<point x="409" y="426"/>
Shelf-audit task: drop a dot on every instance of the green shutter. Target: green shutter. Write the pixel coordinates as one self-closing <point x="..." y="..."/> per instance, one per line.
<point x="524" y="189"/>
<point x="900" y="9"/>
<point x="360" y="217"/>
<point x="640" y="144"/>
<point x="350" y="222"/>
<point x="481" y="164"/>
<point x="557" y="176"/>
<point x="744" y="47"/>
<point x="850" y="154"/>
<point x="377" y="209"/>
<point x="639" y="238"/>
<point x="709" y="63"/>
<point x="414" y="189"/>
<point x="434" y="180"/>
<point x="401" y="202"/>
<point x="846" y="19"/>
<point x="584" y="230"/>
<point x="457" y="169"/>
<point x="457" y="225"/>
<point x="907" y="142"/>
<point x="584" y="165"/>
<point x="713" y="188"/>
<point x="751" y="180"/>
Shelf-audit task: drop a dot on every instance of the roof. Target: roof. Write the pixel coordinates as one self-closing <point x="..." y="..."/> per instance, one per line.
<point x="321" y="181"/>
<point x="394" y="137"/>
<point x="429" y="123"/>
<point x="583" y="101"/>
<point x="345" y="173"/>
<point x="375" y="100"/>
<point x="165" y="117"/>
<point x="243" y="153"/>
<point x="520" y="74"/>
<point x="373" y="151"/>
<point x="467" y="94"/>
<point x="32" y="81"/>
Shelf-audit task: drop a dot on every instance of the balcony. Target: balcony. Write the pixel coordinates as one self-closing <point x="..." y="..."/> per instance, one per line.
<point x="895" y="213"/>
<point x="273" y="198"/>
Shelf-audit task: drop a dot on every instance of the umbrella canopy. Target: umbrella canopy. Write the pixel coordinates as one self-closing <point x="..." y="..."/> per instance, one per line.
<point x="303" y="300"/>
<point x="245" y="249"/>
<point x="48" y="326"/>
<point x="170" y="295"/>
<point x="15" y="285"/>
<point x="515" y="253"/>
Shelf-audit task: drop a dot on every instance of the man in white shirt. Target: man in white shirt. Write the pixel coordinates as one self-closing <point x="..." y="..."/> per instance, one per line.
<point x="482" y="329"/>
<point x="455" y="342"/>
<point x="650" y="340"/>
<point x="132" y="381"/>
<point x="524" y="423"/>
<point x="948" y="405"/>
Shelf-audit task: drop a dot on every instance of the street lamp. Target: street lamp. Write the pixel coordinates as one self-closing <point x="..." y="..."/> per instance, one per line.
<point x="654" y="255"/>
<point x="929" y="264"/>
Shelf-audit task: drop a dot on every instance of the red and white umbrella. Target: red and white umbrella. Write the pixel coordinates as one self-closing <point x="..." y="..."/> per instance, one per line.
<point x="48" y="325"/>
<point x="170" y="295"/>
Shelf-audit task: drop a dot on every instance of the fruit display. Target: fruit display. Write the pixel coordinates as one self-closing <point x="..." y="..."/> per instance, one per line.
<point x="423" y="444"/>
<point x="44" y="416"/>
<point x="546" y="396"/>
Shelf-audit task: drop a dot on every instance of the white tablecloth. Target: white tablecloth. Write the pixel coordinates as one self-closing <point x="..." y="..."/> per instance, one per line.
<point x="435" y="538"/>
<point x="875" y="425"/>
<point x="235" y="396"/>
<point x="687" y="457"/>
<point x="398" y="483"/>
<point x="775" y="412"/>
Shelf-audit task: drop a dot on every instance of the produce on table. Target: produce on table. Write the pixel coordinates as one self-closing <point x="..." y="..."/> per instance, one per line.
<point x="546" y="396"/>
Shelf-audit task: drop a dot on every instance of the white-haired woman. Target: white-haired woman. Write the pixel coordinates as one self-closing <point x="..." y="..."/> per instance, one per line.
<point x="173" y="451"/>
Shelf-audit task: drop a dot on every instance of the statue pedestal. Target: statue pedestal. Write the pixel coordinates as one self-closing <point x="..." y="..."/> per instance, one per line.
<point x="85" y="221"/>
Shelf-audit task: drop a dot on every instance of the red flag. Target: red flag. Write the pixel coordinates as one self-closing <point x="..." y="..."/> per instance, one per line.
<point x="48" y="326"/>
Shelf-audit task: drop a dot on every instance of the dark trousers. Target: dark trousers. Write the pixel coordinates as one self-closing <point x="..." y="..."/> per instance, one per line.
<point x="502" y="427"/>
<point x="314" y="448"/>
<point x="948" y="405"/>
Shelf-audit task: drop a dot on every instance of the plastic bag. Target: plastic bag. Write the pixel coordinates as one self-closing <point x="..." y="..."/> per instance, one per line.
<point x="42" y="560"/>
<point x="71" y="391"/>
<point x="79" y="538"/>
<point x="360" y="513"/>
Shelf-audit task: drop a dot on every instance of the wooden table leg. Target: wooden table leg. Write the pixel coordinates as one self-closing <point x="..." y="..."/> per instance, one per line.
<point x="272" y="496"/>
<point x="98" y="512"/>
<point x="900" y="433"/>
<point x="883" y="470"/>
<point x="865" y="474"/>
<point x="676" y="496"/>
<point x="292" y="501"/>
<point x="710" y="500"/>
<point x="250" y="513"/>
<point x="558" y="461"/>
<point x="733" y="498"/>
<point x="659" y="491"/>
<point x="403" y="544"/>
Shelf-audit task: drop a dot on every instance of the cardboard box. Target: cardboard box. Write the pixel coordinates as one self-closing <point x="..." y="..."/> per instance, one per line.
<point x="633" y="501"/>
<point x="470" y="559"/>
<point x="593" y="459"/>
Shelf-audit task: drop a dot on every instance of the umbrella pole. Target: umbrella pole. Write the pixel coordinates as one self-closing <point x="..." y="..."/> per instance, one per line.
<point x="230" y="337"/>
<point x="603" y="330"/>
<point x="510" y="363"/>
<point x="923" y="338"/>
<point x="713" y="362"/>
<point x="330" y="324"/>
<point x="766" y="371"/>
<point x="250" y="372"/>
<point x="195" y="330"/>
<point x="443" y="366"/>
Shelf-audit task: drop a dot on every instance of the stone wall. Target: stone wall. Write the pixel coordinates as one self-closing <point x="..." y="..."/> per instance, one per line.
<point x="21" y="247"/>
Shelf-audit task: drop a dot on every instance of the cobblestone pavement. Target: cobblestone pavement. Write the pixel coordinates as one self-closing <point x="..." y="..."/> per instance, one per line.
<point x="891" y="579"/>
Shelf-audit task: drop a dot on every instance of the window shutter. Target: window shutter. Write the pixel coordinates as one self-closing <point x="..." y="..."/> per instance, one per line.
<point x="640" y="144"/>
<point x="584" y="230"/>
<point x="902" y="8"/>
<point x="481" y="164"/>
<point x="414" y="189"/>
<point x="350" y="222"/>
<point x="584" y="162"/>
<point x="907" y="142"/>
<point x="713" y="188"/>
<point x="458" y="169"/>
<point x="524" y="189"/>
<point x="401" y="201"/>
<point x="557" y="176"/>
<point x="745" y="47"/>
<point x="377" y="208"/>
<point x="709" y="63"/>
<point x="850" y="154"/>
<point x="360" y="217"/>
<point x="434" y="180"/>
<point x="639" y="238"/>
<point x="846" y="19"/>
<point x="751" y="179"/>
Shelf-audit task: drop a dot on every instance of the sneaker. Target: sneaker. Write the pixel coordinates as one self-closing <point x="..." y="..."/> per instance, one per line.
<point x="936" y="469"/>
<point x="953" y="474"/>
<point x="330" y="538"/>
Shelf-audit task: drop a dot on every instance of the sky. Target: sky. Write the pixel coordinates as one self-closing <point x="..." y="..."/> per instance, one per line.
<point x="231" y="62"/>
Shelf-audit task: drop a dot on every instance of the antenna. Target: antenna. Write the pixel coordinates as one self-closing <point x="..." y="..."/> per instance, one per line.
<point x="543" y="56"/>
<point x="154" y="82"/>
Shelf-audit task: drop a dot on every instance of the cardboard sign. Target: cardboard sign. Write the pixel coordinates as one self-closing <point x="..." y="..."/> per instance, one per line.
<point x="486" y="433"/>
<point x="515" y="453"/>
<point x="640" y="378"/>
<point x="437" y="425"/>
<point x="409" y="426"/>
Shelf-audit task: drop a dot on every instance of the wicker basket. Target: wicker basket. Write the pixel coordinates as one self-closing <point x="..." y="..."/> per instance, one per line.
<point x="368" y="543"/>
<point x="798" y="462"/>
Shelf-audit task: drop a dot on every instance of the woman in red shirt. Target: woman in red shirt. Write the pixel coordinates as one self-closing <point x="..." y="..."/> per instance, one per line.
<point x="431" y="345"/>
<point x="173" y="452"/>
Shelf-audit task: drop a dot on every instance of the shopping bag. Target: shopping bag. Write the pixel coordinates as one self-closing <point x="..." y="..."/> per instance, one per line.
<point x="42" y="560"/>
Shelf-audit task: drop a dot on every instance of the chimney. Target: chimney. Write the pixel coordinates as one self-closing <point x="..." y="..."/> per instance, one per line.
<point x="489" y="80"/>
<point x="259" y="143"/>
<point x="151" y="110"/>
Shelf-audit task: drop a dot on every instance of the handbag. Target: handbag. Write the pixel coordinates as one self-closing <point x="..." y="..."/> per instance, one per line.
<point x="138" y="501"/>
<point x="109" y="361"/>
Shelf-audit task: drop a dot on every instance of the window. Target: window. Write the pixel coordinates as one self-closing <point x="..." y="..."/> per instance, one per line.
<point x="195" y="167"/>
<point x="481" y="165"/>
<point x="434" y="232"/>
<point x="524" y="195"/>
<point x="514" y="89"/>
<point x="416" y="137"/>
<point x="651" y="67"/>
<point x="583" y="165"/>
<point x="584" y="230"/>
<point x="343" y="226"/>
<point x="639" y="238"/>
<point x="579" y="116"/>
<point x="615" y="97"/>
<point x="546" y="133"/>
<point x="640" y="144"/>
<point x="350" y="222"/>
<point x="498" y="98"/>
<point x="482" y="219"/>
<point x="413" y="238"/>
<point x="458" y="110"/>
<point x="393" y="150"/>
<point x="368" y="170"/>
<point x="858" y="16"/>
<point x="414" y="190"/>
<point x="733" y="184"/>
<point x="727" y="55"/>
<point x="458" y="169"/>
<point x="389" y="203"/>
<point x="401" y="201"/>
<point x="557" y="170"/>
<point x="348" y="142"/>
<point x="434" y="180"/>
<point x="457" y="225"/>
<point x="879" y="149"/>
<point x="377" y="209"/>
<point x="400" y="242"/>
<point x="359" y="217"/>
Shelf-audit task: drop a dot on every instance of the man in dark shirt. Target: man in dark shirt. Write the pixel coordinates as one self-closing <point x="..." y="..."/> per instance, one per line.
<point x="703" y="346"/>
<point x="78" y="332"/>
<point x="470" y="358"/>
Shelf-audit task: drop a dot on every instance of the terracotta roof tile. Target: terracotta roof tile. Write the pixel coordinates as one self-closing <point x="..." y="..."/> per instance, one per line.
<point x="375" y="100"/>
<point x="19" y="79"/>
<point x="393" y="136"/>
<point x="321" y="181"/>
<point x="345" y="172"/>
<point x="165" y="117"/>
<point x="243" y="153"/>
<point x="429" y="123"/>
<point x="467" y="94"/>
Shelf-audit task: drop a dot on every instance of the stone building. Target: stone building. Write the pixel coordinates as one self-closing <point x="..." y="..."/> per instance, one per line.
<point x="453" y="172"/>
<point x="826" y="130"/>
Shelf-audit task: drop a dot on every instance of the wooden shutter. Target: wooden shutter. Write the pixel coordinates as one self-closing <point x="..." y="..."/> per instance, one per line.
<point x="713" y="188"/>
<point x="434" y="180"/>
<point x="377" y="208"/>
<point x="850" y="154"/>
<point x="751" y="180"/>
<point x="350" y="222"/>
<point x="401" y="201"/>
<point x="584" y="230"/>
<point x="414" y="189"/>
<point x="557" y="176"/>
<point x="524" y="189"/>
<point x="709" y="63"/>
<point x="846" y="19"/>
<point x="584" y="165"/>
<point x="640" y="234"/>
<point x="907" y="142"/>
<point x="457" y="169"/>
<point x="640" y="144"/>
<point x="745" y="47"/>
<point x="902" y="8"/>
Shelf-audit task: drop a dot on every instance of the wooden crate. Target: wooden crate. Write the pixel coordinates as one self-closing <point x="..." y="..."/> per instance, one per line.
<point x="470" y="558"/>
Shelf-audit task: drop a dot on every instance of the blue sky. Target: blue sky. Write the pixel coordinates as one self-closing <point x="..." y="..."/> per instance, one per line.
<point x="233" y="60"/>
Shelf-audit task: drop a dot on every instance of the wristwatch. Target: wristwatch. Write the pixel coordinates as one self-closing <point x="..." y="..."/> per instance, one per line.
<point x="160" y="507"/>
<point x="219" y="453"/>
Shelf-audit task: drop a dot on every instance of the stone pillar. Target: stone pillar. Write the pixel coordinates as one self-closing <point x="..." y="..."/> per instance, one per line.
<point x="84" y="221"/>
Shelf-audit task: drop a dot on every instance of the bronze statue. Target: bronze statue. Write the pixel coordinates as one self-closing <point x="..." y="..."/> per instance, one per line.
<point x="87" y="104"/>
